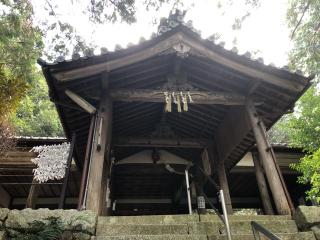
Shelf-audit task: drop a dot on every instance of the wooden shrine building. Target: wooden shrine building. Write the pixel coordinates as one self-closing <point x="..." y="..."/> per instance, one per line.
<point x="143" y="114"/>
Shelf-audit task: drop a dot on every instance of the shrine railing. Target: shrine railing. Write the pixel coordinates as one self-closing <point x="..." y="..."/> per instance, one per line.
<point x="257" y="228"/>
<point x="224" y="216"/>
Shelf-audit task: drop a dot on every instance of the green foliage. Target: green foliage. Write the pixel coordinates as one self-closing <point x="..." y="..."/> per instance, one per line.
<point x="36" y="114"/>
<point x="304" y="20"/>
<point x="20" y="40"/>
<point x="310" y="167"/>
<point x="38" y="230"/>
<point x="20" y="46"/>
<point x="303" y="125"/>
<point x="23" y="92"/>
<point x="12" y="89"/>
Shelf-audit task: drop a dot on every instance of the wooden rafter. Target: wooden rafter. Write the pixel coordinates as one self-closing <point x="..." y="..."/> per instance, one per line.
<point x="160" y="142"/>
<point x="198" y="97"/>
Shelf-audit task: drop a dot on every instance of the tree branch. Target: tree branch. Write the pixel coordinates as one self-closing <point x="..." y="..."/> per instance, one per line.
<point x="300" y="20"/>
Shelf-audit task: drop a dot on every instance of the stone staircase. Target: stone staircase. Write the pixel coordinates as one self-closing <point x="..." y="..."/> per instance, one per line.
<point x="193" y="227"/>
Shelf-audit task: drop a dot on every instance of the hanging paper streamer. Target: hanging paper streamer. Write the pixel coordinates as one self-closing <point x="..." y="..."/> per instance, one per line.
<point x="168" y="102"/>
<point x="178" y="103"/>
<point x="181" y="99"/>
<point x="190" y="98"/>
<point x="184" y="101"/>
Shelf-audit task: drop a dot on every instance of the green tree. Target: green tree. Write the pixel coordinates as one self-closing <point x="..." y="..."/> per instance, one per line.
<point x="20" y="46"/>
<point x="36" y="115"/>
<point x="303" y="126"/>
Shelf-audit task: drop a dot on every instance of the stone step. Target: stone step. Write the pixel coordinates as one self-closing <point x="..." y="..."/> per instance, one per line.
<point x="283" y="236"/>
<point x="141" y="229"/>
<point x="206" y="228"/>
<point x="177" y="219"/>
<point x="215" y="218"/>
<point x="153" y="237"/>
<point x="242" y="227"/>
<point x="151" y="219"/>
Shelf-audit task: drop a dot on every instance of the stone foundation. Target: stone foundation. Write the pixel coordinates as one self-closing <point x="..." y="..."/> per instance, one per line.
<point x="308" y="218"/>
<point x="31" y="224"/>
<point x="28" y="223"/>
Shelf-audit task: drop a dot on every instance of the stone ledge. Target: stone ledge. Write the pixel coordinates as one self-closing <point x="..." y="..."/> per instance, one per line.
<point x="79" y="225"/>
<point x="307" y="217"/>
<point x="3" y="214"/>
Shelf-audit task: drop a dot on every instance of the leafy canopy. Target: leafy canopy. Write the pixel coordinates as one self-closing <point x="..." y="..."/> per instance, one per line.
<point x="20" y="46"/>
<point x="302" y="127"/>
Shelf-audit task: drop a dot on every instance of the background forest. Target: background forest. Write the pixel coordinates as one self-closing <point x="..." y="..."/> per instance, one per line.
<point x="25" y="36"/>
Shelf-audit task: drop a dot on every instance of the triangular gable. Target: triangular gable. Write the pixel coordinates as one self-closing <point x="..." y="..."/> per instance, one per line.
<point x="183" y="42"/>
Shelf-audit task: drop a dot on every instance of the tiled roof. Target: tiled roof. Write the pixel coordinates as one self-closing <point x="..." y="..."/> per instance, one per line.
<point x="167" y="24"/>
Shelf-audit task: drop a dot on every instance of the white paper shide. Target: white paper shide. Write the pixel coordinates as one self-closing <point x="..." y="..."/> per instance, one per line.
<point x="51" y="161"/>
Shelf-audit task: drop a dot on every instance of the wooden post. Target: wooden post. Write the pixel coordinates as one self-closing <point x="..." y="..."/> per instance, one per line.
<point x="262" y="185"/>
<point x="268" y="161"/>
<point x="5" y="198"/>
<point x="67" y="173"/>
<point x="100" y="153"/>
<point x="224" y="186"/>
<point x="33" y="195"/>
<point x="86" y="164"/>
<point x="222" y="176"/>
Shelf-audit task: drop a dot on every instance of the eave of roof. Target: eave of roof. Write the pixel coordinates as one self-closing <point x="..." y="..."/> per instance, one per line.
<point x="245" y="59"/>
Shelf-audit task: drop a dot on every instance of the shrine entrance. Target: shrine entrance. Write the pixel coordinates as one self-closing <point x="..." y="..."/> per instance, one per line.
<point x="149" y="182"/>
<point x="173" y="94"/>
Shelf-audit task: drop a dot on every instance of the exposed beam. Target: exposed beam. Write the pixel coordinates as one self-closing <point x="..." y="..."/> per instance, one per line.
<point x="198" y="97"/>
<point x="196" y="47"/>
<point x="160" y="142"/>
<point x="144" y="201"/>
<point x="81" y="102"/>
<point x="44" y="201"/>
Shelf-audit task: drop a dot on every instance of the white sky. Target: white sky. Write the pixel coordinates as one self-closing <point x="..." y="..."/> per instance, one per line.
<point x="264" y="30"/>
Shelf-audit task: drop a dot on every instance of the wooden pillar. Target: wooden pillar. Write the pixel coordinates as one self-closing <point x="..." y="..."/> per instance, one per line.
<point x="86" y="164"/>
<point x="222" y="176"/>
<point x="33" y="194"/>
<point x="5" y="198"/>
<point x="269" y="163"/>
<point x="224" y="186"/>
<point x="262" y="185"/>
<point x="97" y="180"/>
<point x="67" y="173"/>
